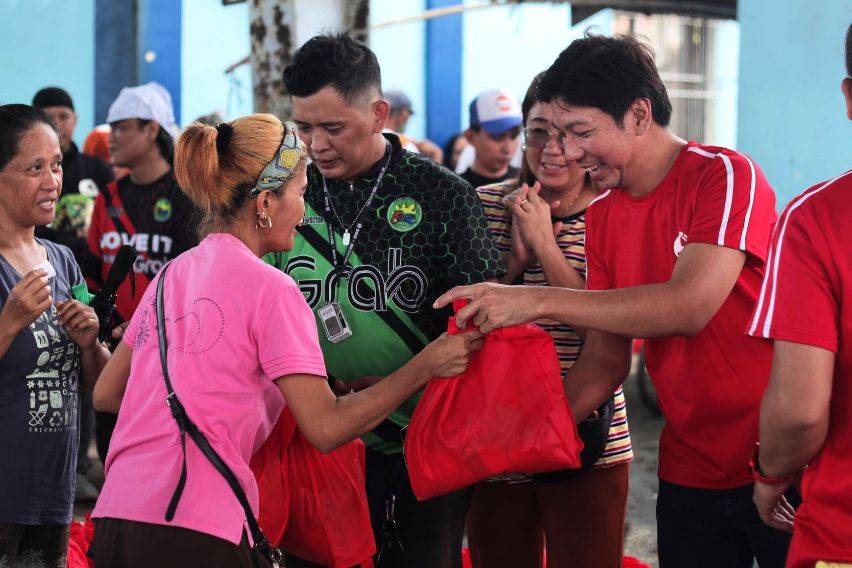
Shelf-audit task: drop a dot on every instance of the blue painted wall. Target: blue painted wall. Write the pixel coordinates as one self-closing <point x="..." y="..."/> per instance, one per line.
<point x="45" y="42"/>
<point x="401" y="51"/>
<point x="213" y="37"/>
<point x="158" y="53"/>
<point x="115" y="41"/>
<point x="791" y="113"/>
<point x="443" y="73"/>
<point x="505" y="47"/>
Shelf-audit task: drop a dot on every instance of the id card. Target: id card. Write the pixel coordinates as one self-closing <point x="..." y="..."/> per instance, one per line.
<point x="334" y="323"/>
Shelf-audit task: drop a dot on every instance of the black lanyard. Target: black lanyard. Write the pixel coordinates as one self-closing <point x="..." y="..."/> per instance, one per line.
<point x="359" y="224"/>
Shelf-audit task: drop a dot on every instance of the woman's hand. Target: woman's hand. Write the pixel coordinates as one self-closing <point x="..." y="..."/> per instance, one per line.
<point x="520" y="251"/>
<point x="81" y="323"/>
<point x="532" y="216"/>
<point x="27" y="300"/>
<point x="449" y="355"/>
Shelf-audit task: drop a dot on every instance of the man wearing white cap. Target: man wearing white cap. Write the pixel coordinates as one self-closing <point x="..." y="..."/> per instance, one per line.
<point x="495" y="125"/>
<point x="145" y="209"/>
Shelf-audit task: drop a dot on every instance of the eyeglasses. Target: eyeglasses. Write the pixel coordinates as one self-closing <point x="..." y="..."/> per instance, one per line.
<point x="539" y="138"/>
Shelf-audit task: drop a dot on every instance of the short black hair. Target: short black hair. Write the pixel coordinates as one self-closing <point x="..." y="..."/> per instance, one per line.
<point x="607" y="73"/>
<point x="849" y="51"/>
<point x="15" y="121"/>
<point x="346" y="64"/>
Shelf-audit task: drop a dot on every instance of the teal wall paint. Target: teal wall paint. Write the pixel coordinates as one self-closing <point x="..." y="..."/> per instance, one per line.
<point x="44" y="43"/>
<point x="791" y="112"/>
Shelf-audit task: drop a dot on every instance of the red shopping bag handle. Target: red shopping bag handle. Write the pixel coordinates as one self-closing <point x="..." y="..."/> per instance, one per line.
<point x="454" y="329"/>
<point x="513" y="332"/>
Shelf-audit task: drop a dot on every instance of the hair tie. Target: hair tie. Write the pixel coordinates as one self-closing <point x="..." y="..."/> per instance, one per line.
<point x="224" y="132"/>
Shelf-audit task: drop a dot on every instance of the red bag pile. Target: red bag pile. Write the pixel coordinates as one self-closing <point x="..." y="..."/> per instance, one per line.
<point x="314" y="505"/>
<point x="506" y="414"/>
<point x="78" y="544"/>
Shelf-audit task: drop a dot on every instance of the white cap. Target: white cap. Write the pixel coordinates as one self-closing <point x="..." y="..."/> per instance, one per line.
<point x="495" y="111"/>
<point x="150" y="101"/>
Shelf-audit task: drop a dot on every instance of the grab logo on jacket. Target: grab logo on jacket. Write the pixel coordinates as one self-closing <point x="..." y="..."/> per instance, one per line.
<point x="367" y="288"/>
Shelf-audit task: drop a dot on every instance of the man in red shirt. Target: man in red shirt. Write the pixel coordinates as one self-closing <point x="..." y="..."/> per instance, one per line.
<point x="676" y="246"/>
<point x="805" y="306"/>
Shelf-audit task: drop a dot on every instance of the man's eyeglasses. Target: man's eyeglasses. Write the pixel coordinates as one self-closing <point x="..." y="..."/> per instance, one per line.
<point x="538" y="138"/>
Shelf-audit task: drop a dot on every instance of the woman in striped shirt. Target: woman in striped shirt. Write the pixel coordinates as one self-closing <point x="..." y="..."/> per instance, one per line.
<point x="538" y="223"/>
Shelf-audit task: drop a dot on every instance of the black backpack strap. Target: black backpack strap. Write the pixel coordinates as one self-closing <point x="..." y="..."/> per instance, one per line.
<point x="187" y="426"/>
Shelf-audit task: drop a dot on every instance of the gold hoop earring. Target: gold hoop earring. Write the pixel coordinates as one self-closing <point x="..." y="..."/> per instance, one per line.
<point x="263" y="223"/>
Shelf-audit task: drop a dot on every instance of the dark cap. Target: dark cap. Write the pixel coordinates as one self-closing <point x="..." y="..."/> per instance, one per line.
<point x="52" y="96"/>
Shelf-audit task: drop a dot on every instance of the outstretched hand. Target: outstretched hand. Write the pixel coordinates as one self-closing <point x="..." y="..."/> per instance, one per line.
<point x="492" y="306"/>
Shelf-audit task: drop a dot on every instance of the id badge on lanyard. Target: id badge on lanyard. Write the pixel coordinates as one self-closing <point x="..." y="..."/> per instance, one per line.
<point x="331" y="314"/>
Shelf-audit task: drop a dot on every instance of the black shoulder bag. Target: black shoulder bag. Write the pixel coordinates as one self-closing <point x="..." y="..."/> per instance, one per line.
<point x="187" y="426"/>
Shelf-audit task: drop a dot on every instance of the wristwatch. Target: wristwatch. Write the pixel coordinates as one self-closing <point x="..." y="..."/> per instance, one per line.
<point x="762" y="477"/>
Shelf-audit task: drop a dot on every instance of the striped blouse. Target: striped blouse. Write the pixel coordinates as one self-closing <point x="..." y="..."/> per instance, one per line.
<point x="568" y="343"/>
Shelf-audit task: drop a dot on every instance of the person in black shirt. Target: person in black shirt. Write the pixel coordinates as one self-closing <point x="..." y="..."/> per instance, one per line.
<point x="145" y="209"/>
<point x="83" y="177"/>
<point x="495" y="127"/>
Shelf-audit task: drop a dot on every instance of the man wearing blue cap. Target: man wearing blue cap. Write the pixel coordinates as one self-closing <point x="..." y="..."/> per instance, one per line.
<point x="495" y="125"/>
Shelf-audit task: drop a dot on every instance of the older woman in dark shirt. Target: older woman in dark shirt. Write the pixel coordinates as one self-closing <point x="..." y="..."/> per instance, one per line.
<point x="48" y="347"/>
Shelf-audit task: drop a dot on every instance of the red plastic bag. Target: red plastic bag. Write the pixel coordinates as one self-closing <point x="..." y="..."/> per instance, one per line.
<point x="314" y="505"/>
<point x="270" y="468"/>
<point x="79" y="539"/>
<point x="506" y="414"/>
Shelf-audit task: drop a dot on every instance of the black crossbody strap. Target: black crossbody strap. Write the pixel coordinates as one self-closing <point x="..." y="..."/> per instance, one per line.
<point x="187" y="426"/>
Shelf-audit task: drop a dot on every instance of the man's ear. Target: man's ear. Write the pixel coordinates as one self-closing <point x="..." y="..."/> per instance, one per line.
<point x="846" y="87"/>
<point x="639" y="116"/>
<point x="380" y="109"/>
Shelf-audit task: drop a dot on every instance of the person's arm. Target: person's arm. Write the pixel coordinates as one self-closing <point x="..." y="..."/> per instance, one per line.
<point x="795" y="409"/>
<point x="110" y="386"/>
<point x="604" y="364"/>
<point x="793" y="424"/>
<point x="328" y="421"/>
<point x="703" y="277"/>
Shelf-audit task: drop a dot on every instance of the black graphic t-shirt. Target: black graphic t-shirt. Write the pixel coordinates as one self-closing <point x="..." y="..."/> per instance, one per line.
<point x="157" y="219"/>
<point x="424" y="233"/>
<point x="39" y="385"/>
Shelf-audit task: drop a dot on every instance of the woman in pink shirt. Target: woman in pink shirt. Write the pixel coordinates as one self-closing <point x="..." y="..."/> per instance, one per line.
<point x="241" y="341"/>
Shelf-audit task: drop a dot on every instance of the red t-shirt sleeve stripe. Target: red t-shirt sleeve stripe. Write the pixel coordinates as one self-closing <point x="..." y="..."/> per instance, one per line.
<point x="733" y="193"/>
<point x="752" y="181"/>
<point x="764" y="312"/>
<point x="596" y="274"/>
<point x="729" y="198"/>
